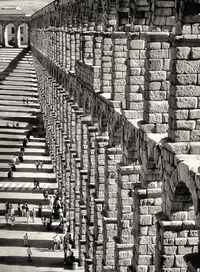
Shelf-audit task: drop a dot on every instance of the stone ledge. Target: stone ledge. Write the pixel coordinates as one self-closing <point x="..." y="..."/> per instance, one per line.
<point x="167" y="224"/>
<point x="108" y="220"/>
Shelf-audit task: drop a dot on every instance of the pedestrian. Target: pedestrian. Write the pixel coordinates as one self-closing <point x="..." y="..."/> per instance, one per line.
<point x="25" y="142"/>
<point x="14" y="124"/>
<point x="23" y="100"/>
<point x="37" y="184"/>
<point x="29" y="252"/>
<point x="37" y="164"/>
<point x="34" y="183"/>
<point x="56" y="241"/>
<point x="10" y="174"/>
<point x="28" y="137"/>
<point x="22" y="150"/>
<point x="23" y="210"/>
<point x="19" y="209"/>
<point x="17" y="124"/>
<point x="17" y="161"/>
<point x="12" y="218"/>
<point x="61" y="243"/>
<point x="44" y="222"/>
<point x="6" y="217"/>
<point x="7" y="206"/>
<point x="40" y="210"/>
<point x="34" y="215"/>
<point x="28" y="216"/>
<point x="41" y="164"/>
<point x="20" y="157"/>
<point x="26" y="239"/>
<point x="27" y="208"/>
<point x="26" y="101"/>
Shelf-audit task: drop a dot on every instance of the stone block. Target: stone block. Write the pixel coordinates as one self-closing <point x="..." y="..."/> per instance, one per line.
<point x="158" y="54"/>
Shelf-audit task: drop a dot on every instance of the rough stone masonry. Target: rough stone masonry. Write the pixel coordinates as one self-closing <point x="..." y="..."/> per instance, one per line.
<point x="119" y="84"/>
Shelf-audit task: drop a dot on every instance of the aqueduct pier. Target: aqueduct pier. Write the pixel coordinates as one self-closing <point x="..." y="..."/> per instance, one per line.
<point x="120" y="97"/>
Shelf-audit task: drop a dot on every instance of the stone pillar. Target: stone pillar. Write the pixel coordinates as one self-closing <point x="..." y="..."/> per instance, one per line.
<point x="184" y="106"/>
<point x="101" y="142"/>
<point x="87" y="47"/>
<point x="119" y="69"/>
<point x="106" y="66"/>
<point x="175" y="239"/>
<point x="156" y="91"/>
<point x="113" y="157"/>
<point x="128" y="179"/>
<point x="135" y="77"/>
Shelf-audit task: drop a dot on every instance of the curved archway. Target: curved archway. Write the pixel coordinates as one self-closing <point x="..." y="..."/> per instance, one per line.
<point x="9" y="35"/>
<point x="22" y="35"/>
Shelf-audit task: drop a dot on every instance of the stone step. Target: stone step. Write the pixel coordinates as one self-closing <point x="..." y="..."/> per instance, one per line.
<point x="29" y="151"/>
<point x="26" y="186"/>
<point x="28" y="166"/>
<point x="20" y="103"/>
<point x="18" y="98"/>
<point x="20" y="137"/>
<point x="20" y="79"/>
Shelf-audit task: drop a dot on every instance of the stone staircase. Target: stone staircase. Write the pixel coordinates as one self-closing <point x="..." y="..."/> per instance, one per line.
<point x="18" y="82"/>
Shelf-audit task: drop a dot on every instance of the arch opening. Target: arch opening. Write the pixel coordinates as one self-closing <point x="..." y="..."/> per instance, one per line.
<point x="10" y="36"/>
<point x="22" y="35"/>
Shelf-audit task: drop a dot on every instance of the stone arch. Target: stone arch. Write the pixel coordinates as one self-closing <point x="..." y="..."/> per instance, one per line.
<point x="130" y="139"/>
<point x="87" y="108"/>
<point x="103" y="118"/>
<point x="181" y="194"/>
<point x="10" y="35"/>
<point x="115" y="129"/>
<point x="22" y="35"/>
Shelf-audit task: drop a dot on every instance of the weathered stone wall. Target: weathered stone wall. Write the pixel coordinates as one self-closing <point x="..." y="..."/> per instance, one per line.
<point x="119" y="91"/>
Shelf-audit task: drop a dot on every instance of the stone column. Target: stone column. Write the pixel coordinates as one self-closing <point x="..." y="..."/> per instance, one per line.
<point x="135" y="77"/>
<point x="156" y="91"/>
<point x="128" y="180"/>
<point x="184" y="106"/>
<point x="113" y="157"/>
<point x="119" y="68"/>
<point x="106" y="66"/>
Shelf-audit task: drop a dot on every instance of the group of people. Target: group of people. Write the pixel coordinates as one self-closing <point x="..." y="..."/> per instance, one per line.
<point x="64" y="243"/>
<point x="18" y="159"/>
<point x="39" y="164"/>
<point x="25" y="101"/>
<point x="14" y="125"/>
<point x="9" y="214"/>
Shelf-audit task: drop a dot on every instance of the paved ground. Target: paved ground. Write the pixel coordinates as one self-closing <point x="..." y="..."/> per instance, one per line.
<point x="18" y="81"/>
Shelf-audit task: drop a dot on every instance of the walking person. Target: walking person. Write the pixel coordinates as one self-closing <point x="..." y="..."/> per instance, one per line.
<point x="29" y="252"/>
<point x="40" y="210"/>
<point x="12" y="218"/>
<point x="26" y="101"/>
<point x="6" y="217"/>
<point x="37" y="184"/>
<point x="26" y="239"/>
<point x="25" y="142"/>
<point x="19" y="209"/>
<point x="37" y="164"/>
<point x="23" y="100"/>
<point x="34" y="215"/>
<point x="41" y="164"/>
<point x="28" y="216"/>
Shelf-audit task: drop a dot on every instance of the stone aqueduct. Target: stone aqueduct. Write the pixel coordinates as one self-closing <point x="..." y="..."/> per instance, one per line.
<point x="119" y="87"/>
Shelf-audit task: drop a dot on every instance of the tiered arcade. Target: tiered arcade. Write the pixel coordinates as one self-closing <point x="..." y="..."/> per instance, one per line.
<point x="119" y="85"/>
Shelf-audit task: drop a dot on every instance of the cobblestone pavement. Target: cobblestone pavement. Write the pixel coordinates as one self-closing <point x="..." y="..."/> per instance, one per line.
<point x="18" y="81"/>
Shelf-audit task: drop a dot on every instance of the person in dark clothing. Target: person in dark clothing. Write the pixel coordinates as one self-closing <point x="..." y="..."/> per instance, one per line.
<point x="25" y="142"/>
<point x="20" y="158"/>
<point x="40" y="210"/>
